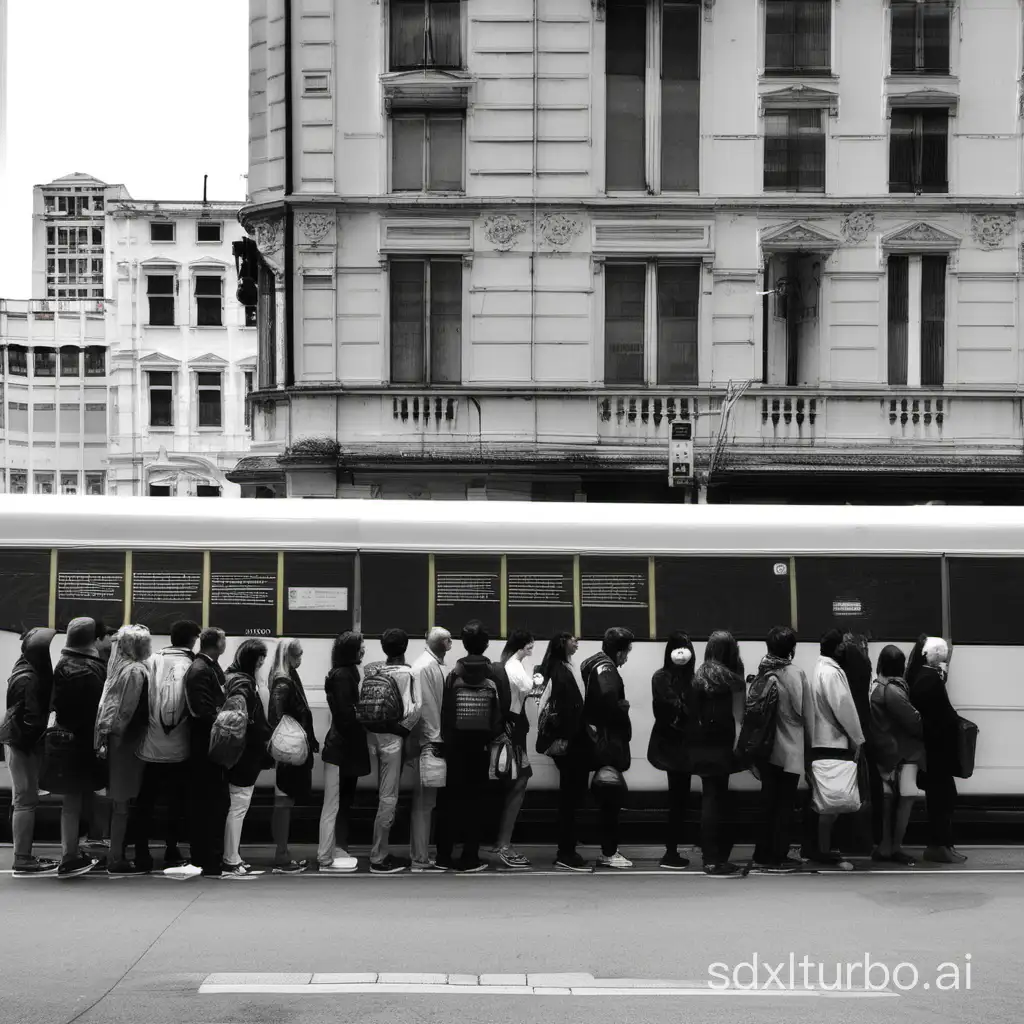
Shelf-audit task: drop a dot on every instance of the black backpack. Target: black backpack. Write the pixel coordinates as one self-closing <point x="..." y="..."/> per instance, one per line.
<point x="379" y="708"/>
<point x="477" y="708"/>
<point x="760" y="719"/>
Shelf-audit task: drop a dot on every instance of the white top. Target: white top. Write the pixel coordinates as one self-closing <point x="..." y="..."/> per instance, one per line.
<point x="520" y="683"/>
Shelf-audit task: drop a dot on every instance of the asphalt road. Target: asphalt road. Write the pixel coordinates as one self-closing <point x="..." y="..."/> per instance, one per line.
<point x="96" y="950"/>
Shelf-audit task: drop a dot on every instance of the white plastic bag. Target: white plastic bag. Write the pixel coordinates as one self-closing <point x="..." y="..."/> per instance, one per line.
<point x="289" y="744"/>
<point x="834" y="787"/>
<point x="433" y="769"/>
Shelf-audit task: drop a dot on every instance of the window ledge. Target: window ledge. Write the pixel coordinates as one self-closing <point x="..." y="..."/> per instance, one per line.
<point x="160" y="430"/>
<point x="430" y="87"/>
<point x="162" y="327"/>
<point x="933" y="93"/>
<point x="820" y="74"/>
<point x="207" y="327"/>
<point x="210" y="430"/>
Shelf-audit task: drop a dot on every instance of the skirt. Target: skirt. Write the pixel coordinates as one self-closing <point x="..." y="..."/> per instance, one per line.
<point x="124" y="779"/>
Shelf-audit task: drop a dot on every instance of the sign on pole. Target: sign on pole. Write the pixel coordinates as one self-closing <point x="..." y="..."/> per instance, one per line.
<point x="680" y="455"/>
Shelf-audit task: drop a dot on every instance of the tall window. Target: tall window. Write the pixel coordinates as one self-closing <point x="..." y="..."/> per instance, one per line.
<point x="666" y="35"/>
<point x="794" y="151"/>
<point x="426" y="152"/>
<point x="44" y="362"/>
<point x="95" y="483"/>
<point x="19" y="481"/>
<point x="208" y="386"/>
<point x="246" y="404"/>
<point x="798" y="36"/>
<point x="426" y="321"/>
<point x="631" y="327"/>
<point x="95" y="361"/>
<point x="209" y="291"/>
<point x="425" y="34"/>
<point x="917" y="319"/>
<point x="97" y="236"/>
<point x="918" y="151"/>
<point x="161" y="398"/>
<point x="17" y="361"/>
<point x="160" y="293"/>
<point x="920" y="37"/>
<point x="251" y="316"/>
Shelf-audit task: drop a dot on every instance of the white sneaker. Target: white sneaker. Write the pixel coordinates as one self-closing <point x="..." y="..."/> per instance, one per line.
<point x="183" y="872"/>
<point x="616" y="860"/>
<point x="340" y="866"/>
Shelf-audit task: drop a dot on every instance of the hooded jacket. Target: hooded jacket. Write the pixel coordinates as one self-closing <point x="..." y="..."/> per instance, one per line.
<point x="167" y="738"/>
<point x="31" y="686"/>
<point x="475" y="668"/>
<point x="604" y="704"/>
<point x="255" y="758"/>
<point x="123" y="702"/>
<point x="671" y="688"/>
<point x="78" y="682"/>
<point x="204" y="693"/>
<point x="795" y="701"/>
<point x="711" y="726"/>
<point x="345" y="745"/>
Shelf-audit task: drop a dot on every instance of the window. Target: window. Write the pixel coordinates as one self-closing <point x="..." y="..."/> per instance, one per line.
<point x="159" y="491"/>
<point x="161" y="398"/>
<point x="664" y="34"/>
<point x="43" y="483"/>
<point x="794" y="151"/>
<point x="97" y="203"/>
<point x="425" y="34"/>
<point x="17" y="361"/>
<point x="426" y="321"/>
<point x="95" y="483"/>
<point x="160" y="289"/>
<point x="207" y="491"/>
<point x="247" y="377"/>
<point x="918" y="151"/>
<point x="209" y="289"/>
<point x="95" y="361"/>
<point x="44" y="362"/>
<point x="161" y="231"/>
<point x="97" y="236"/>
<point x="920" y="37"/>
<point x="48" y="205"/>
<point x="97" y="267"/>
<point x="210" y="407"/>
<point x="51" y="237"/>
<point x="208" y="231"/>
<point x="70" y="419"/>
<point x="69" y="483"/>
<point x="316" y="83"/>
<point x="798" y="36"/>
<point x="250" y="316"/>
<point x="673" y="323"/>
<point x="917" y="319"/>
<point x="19" y="481"/>
<point x="96" y="419"/>
<point x="426" y="152"/>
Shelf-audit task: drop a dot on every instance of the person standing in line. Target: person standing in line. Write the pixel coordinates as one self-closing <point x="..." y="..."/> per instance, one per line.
<point x="780" y="774"/>
<point x="242" y="778"/>
<point x="857" y="666"/>
<point x="346" y="754"/>
<point x="29" y="690"/>
<point x="833" y="732"/>
<point x="208" y="785"/>
<point x="78" y="682"/>
<point x="428" y="675"/>
<point x="606" y="712"/>
<point x="711" y="735"/>
<point x="292" y="782"/>
<point x="671" y="689"/>
<point x="97" y="823"/>
<point x="926" y="677"/>
<point x="386" y="749"/>
<point x="164" y="749"/>
<point x="896" y="747"/>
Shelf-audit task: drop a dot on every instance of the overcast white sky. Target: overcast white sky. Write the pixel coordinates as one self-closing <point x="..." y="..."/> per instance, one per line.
<point x="145" y="94"/>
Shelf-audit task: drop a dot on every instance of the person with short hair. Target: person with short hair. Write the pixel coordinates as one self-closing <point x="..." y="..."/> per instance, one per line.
<point x="606" y="710"/>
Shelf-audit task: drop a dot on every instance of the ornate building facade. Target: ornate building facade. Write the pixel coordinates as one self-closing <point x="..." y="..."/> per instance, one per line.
<point x="501" y="248"/>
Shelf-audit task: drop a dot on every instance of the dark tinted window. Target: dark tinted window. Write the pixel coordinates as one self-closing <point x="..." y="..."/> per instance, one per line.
<point x="395" y="591"/>
<point x="24" y="590"/>
<point x="243" y="592"/>
<point x="318" y="593"/>
<point x="467" y="588"/>
<point x="615" y="592"/>
<point x="540" y="595"/>
<point x="90" y="583"/>
<point x="986" y="600"/>
<point x="167" y="586"/>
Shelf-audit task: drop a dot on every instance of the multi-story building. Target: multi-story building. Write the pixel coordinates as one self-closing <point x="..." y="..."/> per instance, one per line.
<point x="502" y="248"/>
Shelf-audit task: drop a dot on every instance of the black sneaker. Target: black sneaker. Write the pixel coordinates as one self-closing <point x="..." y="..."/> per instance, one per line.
<point x="470" y="867"/>
<point x="174" y="859"/>
<point x="673" y="861"/>
<point x="390" y="865"/>
<point x="33" y="867"/>
<point x="80" y="864"/>
<point x="445" y="863"/>
<point x="571" y="862"/>
<point x="212" y="872"/>
<point x="725" y="870"/>
<point x="125" y="869"/>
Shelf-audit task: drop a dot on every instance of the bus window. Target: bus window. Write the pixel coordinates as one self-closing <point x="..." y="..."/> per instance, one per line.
<point x="615" y="592"/>
<point x="395" y="592"/>
<point x="746" y="596"/>
<point x="318" y="593"/>
<point x="885" y="599"/>
<point x="986" y="600"/>
<point x="91" y="584"/>
<point x="167" y="586"/>
<point x="540" y="595"/>
<point x="468" y="587"/>
<point x="24" y="590"/>
<point x="243" y="592"/>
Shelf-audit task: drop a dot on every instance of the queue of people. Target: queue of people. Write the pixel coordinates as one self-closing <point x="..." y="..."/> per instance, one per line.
<point x="174" y="726"/>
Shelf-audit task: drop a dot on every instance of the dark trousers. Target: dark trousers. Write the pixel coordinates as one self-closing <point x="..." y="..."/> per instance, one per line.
<point x="714" y="808"/>
<point x="778" y="794"/>
<point x="678" y="799"/>
<point x="940" y="798"/>
<point x="169" y="782"/>
<point x="572" y="791"/>
<point x="208" y="803"/>
<point x="877" y="797"/>
<point x="461" y="811"/>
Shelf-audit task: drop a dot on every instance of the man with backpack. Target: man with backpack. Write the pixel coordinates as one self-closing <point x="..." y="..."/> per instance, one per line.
<point x="476" y="700"/>
<point x="165" y="747"/>
<point x="772" y="739"/>
<point x="388" y="708"/>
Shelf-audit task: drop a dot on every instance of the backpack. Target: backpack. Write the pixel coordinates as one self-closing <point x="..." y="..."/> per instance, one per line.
<point x="477" y="707"/>
<point x="227" y="734"/>
<point x="167" y="703"/>
<point x="760" y="719"/>
<point x="379" y="708"/>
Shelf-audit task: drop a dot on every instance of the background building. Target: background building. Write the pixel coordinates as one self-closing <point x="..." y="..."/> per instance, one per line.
<point x="503" y="247"/>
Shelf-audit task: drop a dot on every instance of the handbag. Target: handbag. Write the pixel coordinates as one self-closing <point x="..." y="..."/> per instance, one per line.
<point x="834" y="788"/>
<point x="606" y="749"/>
<point x="966" y="748"/>
<point x="433" y="768"/>
<point x="59" y="770"/>
<point x="548" y="724"/>
<point x="503" y="766"/>
<point x="289" y="743"/>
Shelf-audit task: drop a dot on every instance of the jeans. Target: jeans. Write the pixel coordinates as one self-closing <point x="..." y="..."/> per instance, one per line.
<point x="208" y="810"/>
<point x="678" y="798"/>
<point x="334" y="818"/>
<point x="25" y="798"/>
<point x="572" y="791"/>
<point x="714" y="806"/>
<point x="240" y="797"/>
<point x="464" y="804"/>
<point x="168" y="780"/>
<point x="778" y="793"/>
<point x="386" y="751"/>
<point x="424" y="800"/>
<point x="940" y="797"/>
<point x="75" y="807"/>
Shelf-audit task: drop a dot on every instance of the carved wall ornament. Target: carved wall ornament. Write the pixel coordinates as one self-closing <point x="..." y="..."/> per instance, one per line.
<point x="921" y="233"/>
<point x="559" y="229"/>
<point x="502" y="230"/>
<point x="989" y="229"/>
<point x="314" y="225"/>
<point x="268" y="236"/>
<point x="857" y="226"/>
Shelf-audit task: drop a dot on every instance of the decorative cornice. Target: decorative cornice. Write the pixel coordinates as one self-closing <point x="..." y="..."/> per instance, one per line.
<point x="269" y="233"/>
<point x="799" y="236"/>
<point x="315" y="225"/>
<point x="502" y="230"/>
<point x="559" y="229"/>
<point x="856" y="226"/>
<point x="990" y="229"/>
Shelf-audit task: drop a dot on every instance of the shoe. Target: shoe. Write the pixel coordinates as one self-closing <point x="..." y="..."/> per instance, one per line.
<point x="390" y="865"/>
<point x="899" y="857"/>
<point x="881" y="858"/>
<point x="183" y="872"/>
<point x="125" y="869"/>
<point x="213" y="873"/>
<point x="33" y="867"/>
<point x="75" y="866"/>
<point x="512" y="860"/>
<point x="571" y="862"/>
<point x="100" y="867"/>
<point x="616" y="860"/>
<point x="830" y="859"/>
<point x="292" y="867"/>
<point x="430" y="867"/>
<point x="96" y="845"/>
<point x="791" y="863"/>
<point x="938" y="855"/>
<point x="471" y="867"/>
<point x="145" y="862"/>
<point x="958" y="857"/>
<point x="174" y="859"/>
<point x="239" y="871"/>
<point x="672" y="861"/>
<point x="725" y="870"/>
<point x="777" y="867"/>
<point x="340" y="866"/>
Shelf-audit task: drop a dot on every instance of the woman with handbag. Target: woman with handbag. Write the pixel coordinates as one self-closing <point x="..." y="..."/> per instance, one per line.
<point x="289" y="713"/>
<point x="671" y="689"/>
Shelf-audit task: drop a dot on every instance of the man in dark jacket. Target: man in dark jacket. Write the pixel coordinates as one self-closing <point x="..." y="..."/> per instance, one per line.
<point x="208" y="783"/>
<point x="463" y="802"/>
<point x="857" y="666"/>
<point x="28" y="697"/>
<point x="606" y="713"/>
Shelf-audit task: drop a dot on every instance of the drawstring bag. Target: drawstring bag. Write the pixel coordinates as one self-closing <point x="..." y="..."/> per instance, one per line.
<point x="834" y="788"/>
<point x="289" y="743"/>
<point x="503" y="764"/>
<point x="433" y="768"/>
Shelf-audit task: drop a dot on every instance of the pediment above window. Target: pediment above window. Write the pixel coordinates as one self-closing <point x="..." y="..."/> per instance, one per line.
<point x="799" y="237"/>
<point x="160" y="263"/>
<point x="919" y="237"/>
<point x="800" y="96"/>
<point x="426" y="88"/>
<point x="208" y="264"/>
<point x="159" y="361"/>
<point x="917" y="96"/>
<point x="210" y="360"/>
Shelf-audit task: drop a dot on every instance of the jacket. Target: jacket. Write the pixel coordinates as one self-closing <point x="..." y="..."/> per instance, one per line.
<point x="896" y="730"/>
<point x="567" y="701"/>
<point x="123" y="706"/>
<point x="832" y="722"/>
<point x="670" y="692"/>
<point x="475" y="668"/>
<point x="857" y="666"/>
<point x="255" y="758"/>
<point x="428" y="672"/>
<point x="78" y="682"/>
<point x="711" y="726"/>
<point x="287" y="697"/>
<point x="794" y="702"/>
<point x="346" y="743"/>
<point x="167" y="737"/>
<point x="31" y="686"/>
<point x="938" y="721"/>
<point x="605" y="707"/>
<point x="204" y="694"/>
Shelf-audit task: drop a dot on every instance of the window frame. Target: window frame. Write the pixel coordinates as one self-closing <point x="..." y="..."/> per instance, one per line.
<point x="17" y="480"/>
<point x="218" y="224"/>
<point x="426" y="65"/>
<point x="75" y="485"/>
<point x="211" y="273"/>
<point x="168" y="388"/>
<point x="918" y="133"/>
<point x="21" y="350"/>
<point x="248" y="383"/>
<point x="43" y="476"/>
<point x="914" y="370"/>
<point x="426" y="115"/>
<point x="38" y="359"/>
<point x="814" y="71"/>
<point x="199" y="388"/>
<point x="173" y="297"/>
<point x="163" y="223"/>
<point x="919" y="7"/>
<point x="90" y="477"/>
<point x="91" y="350"/>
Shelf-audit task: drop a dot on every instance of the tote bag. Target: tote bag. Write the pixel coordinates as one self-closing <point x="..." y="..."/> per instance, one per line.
<point x="834" y="788"/>
<point x="289" y="744"/>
